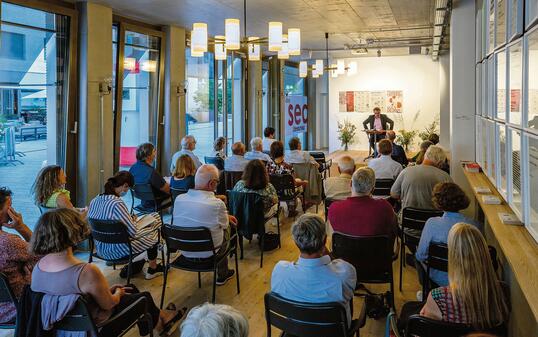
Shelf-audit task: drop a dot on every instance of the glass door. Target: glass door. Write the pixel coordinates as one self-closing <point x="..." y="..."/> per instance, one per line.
<point x="138" y="91"/>
<point x="36" y="78"/>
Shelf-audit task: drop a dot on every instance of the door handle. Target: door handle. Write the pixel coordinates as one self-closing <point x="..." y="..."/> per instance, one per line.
<point x="75" y="128"/>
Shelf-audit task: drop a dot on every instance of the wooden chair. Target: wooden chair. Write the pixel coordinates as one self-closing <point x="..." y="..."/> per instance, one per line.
<point x="7" y="296"/>
<point x="231" y="178"/>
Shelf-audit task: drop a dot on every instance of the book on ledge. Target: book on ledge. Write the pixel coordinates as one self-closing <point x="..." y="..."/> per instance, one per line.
<point x="509" y="219"/>
<point x="482" y="190"/>
<point x="491" y="200"/>
<point x="472" y="167"/>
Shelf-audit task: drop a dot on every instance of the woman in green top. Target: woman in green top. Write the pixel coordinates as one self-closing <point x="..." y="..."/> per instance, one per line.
<point x="49" y="189"/>
<point x="255" y="179"/>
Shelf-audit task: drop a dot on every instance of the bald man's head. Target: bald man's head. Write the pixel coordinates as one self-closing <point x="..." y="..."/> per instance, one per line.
<point x="238" y="148"/>
<point x="206" y="178"/>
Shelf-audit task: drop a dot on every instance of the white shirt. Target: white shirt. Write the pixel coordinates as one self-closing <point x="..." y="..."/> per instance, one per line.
<point x="315" y="281"/>
<point x="385" y="167"/>
<point x="298" y="157"/>
<point x="178" y="154"/>
<point x="251" y="155"/>
<point x="266" y="143"/>
<point x="198" y="208"/>
<point x="338" y="188"/>
<point x="235" y="163"/>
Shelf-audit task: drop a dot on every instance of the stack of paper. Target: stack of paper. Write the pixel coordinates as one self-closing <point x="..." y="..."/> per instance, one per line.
<point x="509" y="219"/>
<point x="491" y="200"/>
<point x="482" y="190"/>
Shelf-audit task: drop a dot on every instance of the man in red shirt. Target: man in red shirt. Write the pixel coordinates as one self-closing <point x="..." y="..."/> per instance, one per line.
<point x="360" y="214"/>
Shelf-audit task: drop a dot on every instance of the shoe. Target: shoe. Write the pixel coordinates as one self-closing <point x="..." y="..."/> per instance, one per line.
<point x="222" y="281"/>
<point x="419" y="295"/>
<point x="136" y="267"/>
<point x="153" y="273"/>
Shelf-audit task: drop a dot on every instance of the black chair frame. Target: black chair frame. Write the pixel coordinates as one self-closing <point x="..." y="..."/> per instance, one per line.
<point x="6" y="296"/>
<point x="299" y="319"/>
<point x="284" y="184"/>
<point x="144" y="192"/>
<point x="196" y="239"/>
<point x="327" y="203"/>
<point x="324" y="165"/>
<point x="382" y="187"/>
<point x="217" y="161"/>
<point x="175" y="192"/>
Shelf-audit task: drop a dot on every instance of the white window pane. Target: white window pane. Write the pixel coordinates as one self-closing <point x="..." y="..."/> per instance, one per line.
<point x="500" y="85"/>
<point x="533" y="185"/>
<point x="532" y="86"/>
<point x="515" y="162"/>
<point x="516" y="75"/>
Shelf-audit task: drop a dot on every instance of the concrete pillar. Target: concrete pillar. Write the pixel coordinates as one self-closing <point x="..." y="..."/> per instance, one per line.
<point x="174" y="93"/>
<point x="95" y="66"/>
<point x="254" y="94"/>
<point x="462" y="88"/>
<point x="444" y="104"/>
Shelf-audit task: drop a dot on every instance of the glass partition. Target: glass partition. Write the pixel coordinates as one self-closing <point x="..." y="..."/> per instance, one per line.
<point x="514" y="162"/>
<point x="500" y="23"/>
<point x="532" y="79"/>
<point x="502" y="182"/>
<point x="500" y="85"/>
<point x="532" y="142"/>
<point x="515" y="69"/>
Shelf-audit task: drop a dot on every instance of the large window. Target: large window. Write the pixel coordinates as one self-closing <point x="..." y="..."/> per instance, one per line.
<point x="515" y="57"/>
<point x="532" y="143"/>
<point x="500" y="102"/>
<point x="532" y="81"/>
<point x="515" y="187"/>
<point x="34" y="86"/>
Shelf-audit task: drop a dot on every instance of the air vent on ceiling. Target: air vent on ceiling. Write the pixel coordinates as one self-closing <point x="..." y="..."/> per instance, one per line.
<point x="413" y="50"/>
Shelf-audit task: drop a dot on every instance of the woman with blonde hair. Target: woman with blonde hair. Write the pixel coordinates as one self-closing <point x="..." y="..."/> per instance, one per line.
<point x="183" y="175"/>
<point x="474" y="295"/>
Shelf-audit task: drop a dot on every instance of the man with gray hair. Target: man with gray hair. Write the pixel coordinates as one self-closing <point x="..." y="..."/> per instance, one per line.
<point x="360" y="214"/>
<point x="256" y="148"/>
<point x="214" y="320"/>
<point x="236" y="162"/>
<point x="314" y="278"/>
<point x="415" y="184"/>
<point x="188" y="144"/>
<point x="338" y="188"/>
<point x="199" y="207"/>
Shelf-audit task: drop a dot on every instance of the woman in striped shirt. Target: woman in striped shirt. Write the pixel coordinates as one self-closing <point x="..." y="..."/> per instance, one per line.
<point x="110" y="206"/>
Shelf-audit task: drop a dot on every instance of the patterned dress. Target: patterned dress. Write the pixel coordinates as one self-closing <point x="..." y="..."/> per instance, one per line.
<point x="280" y="168"/>
<point x="268" y="194"/>
<point x="111" y="207"/>
<point x="451" y="311"/>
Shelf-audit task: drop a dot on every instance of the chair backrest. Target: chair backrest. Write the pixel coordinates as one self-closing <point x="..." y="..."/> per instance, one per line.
<point x="109" y="231"/>
<point x="78" y="319"/>
<point x="143" y="192"/>
<point x="327" y="203"/>
<point x="284" y="185"/>
<point x="318" y="156"/>
<point x="188" y="239"/>
<point x="382" y="187"/>
<point x="415" y="218"/>
<point x="217" y="161"/>
<point x="425" y="327"/>
<point x="305" y="319"/>
<point x="175" y="192"/>
<point x="438" y="256"/>
<point x="231" y="178"/>
<point x="6" y="293"/>
<point x="370" y="255"/>
<point x="45" y="209"/>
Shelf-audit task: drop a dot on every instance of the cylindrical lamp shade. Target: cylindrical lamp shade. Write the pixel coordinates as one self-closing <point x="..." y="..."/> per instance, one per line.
<point x="233" y="35"/>
<point x="340" y="67"/>
<point x="149" y="66"/>
<point x="294" y="41"/>
<point x="196" y="54"/>
<point x="334" y="70"/>
<point x="199" y="37"/>
<point x="129" y="63"/>
<point x="275" y="36"/>
<point x="283" y="53"/>
<point x="303" y="69"/>
<point x="254" y="53"/>
<point x="220" y="49"/>
<point x="352" y="68"/>
<point x="319" y="67"/>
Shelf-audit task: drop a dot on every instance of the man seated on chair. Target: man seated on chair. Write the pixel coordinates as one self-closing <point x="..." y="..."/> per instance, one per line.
<point x="360" y="214"/>
<point x="398" y="152"/>
<point x="256" y="148"/>
<point x="268" y="138"/>
<point x="188" y="144"/>
<point x="236" y="162"/>
<point x="200" y="208"/>
<point x="338" y="188"/>
<point x="314" y="278"/>
<point x="384" y="166"/>
<point x="296" y="155"/>
<point x="144" y="173"/>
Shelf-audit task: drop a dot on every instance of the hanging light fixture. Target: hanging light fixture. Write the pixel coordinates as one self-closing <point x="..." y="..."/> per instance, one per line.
<point x="303" y="69"/>
<point x="340" y="67"/>
<point x="275" y="36"/>
<point x="352" y="68"/>
<point x="294" y="41"/>
<point x="196" y="54"/>
<point x="254" y="49"/>
<point x="233" y="34"/>
<point x="283" y="53"/>
<point x="220" y="49"/>
<point x="334" y="70"/>
<point x="199" y="37"/>
<point x="129" y="63"/>
<point x="319" y="67"/>
<point x="149" y="66"/>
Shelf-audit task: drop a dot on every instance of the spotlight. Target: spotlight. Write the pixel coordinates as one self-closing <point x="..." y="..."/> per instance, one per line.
<point x="379" y="53"/>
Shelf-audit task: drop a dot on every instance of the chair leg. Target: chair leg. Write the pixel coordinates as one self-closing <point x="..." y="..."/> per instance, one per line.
<point x="402" y="251"/>
<point x="199" y="280"/>
<point x="129" y="268"/>
<point x="165" y="276"/>
<point x="214" y="284"/>
<point x="262" y="248"/>
<point x="278" y="228"/>
<point x="237" y="270"/>
<point x="392" y="293"/>
<point x="241" y="245"/>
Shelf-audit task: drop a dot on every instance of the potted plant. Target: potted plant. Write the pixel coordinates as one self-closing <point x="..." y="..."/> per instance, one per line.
<point x="346" y="131"/>
<point x="405" y="138"/>
<point x="429" y="130"/>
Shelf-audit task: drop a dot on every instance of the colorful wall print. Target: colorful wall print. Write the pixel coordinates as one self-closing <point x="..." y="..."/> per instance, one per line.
<point x="378" y="99"/>
<point x="390" y="101"/>
<point x="342" y="101"/>
<point x="394" y="101"/>
<point x="350" y="96"/>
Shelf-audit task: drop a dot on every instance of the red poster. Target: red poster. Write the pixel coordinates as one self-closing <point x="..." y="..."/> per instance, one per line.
<point x="515" y="100"/>
<point x="350" y="101"/>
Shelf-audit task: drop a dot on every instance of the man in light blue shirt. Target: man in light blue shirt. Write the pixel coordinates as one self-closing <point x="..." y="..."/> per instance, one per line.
<point x="188" y="144"/>
<point x="236" y="162"/>
<point x="256" y="147"/>
<point x="314" y="278"/>
<point x="296" y="155"/>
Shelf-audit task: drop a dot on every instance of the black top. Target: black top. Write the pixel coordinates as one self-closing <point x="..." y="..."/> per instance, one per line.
<point x="182" y="183"/>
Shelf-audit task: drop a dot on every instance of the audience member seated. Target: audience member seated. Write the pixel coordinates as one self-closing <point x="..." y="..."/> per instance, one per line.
<point x="16" y="262"/>
<point x="419" y="157"/>
<point x="142" y="230"/>
<point x="49" y="189"/>
<point x="268" y="138"/>
<point x="296" y="155"/>
<point x="434" y="138"/>
<point x="236" y="162"/>
<point x="338" y="188"/>
<point x="256" y="149"/>
<point x="474" y="295"/>
<point x="188" y="144"/>
<point x="415" y="184"/>
<point x="384" y="166"/>
<point x="256" y="180"/>
<point x="144" y="173"/>
<point x="183" y="175"/>
<point x="219" y="148"/>
<point x="314" y="278"/>
<point x="60" y="273"/>
<point x="214" y="320"/>
<point x="360" y="214"/>
<point x="398" y="152"/>
<point x="451" y="199"/>
<point x="200" y="208"/>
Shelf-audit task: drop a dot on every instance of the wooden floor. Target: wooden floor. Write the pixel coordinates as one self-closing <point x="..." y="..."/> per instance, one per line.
<point x="183" y="288"/>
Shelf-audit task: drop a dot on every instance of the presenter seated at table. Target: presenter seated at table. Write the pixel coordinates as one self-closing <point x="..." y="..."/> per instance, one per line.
<point x="379" y="123"/>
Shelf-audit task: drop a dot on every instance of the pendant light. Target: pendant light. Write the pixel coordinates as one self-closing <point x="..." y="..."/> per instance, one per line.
<point x="352" y="68"/>
<point x="303" y="69"/>
<point x="283" y="53"/>
<point x="340" y="67"/>
<point x="220" y="49"/>
<point x="199" y="37"/>
<point x="294" y="41"/>
<point x="275" y="36"/>
<point x="233" y="35"/>
<point x="254" y="49"/>
<point x="319" y="67"/>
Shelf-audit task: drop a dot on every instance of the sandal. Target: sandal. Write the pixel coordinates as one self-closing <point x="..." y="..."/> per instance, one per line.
<point x="173" y="323"/>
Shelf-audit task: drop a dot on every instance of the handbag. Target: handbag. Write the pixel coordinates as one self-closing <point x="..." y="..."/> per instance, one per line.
<point x="271" y="241"/>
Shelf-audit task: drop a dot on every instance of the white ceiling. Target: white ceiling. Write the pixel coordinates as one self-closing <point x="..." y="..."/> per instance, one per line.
<point x="388" y="22"/>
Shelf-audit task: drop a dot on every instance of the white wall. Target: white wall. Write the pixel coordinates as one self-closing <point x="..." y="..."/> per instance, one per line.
<point x="416" y="75"/>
